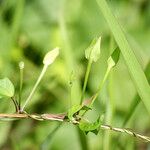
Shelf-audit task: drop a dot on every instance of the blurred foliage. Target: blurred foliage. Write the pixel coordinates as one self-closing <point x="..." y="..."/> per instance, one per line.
<point x="29" y="28"/>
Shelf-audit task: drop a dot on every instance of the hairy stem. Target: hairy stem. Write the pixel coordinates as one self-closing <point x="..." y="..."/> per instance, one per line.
<point x="61" y="118"/>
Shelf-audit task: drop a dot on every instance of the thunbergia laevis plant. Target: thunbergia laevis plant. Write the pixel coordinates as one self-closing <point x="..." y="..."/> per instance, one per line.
<point x="76" y="114"/>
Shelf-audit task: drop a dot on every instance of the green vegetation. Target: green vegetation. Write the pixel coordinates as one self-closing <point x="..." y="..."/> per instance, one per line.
<point x="88" y="94"/>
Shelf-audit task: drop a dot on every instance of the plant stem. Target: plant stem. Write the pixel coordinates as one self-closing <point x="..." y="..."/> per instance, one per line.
<point x="98" y="91"/>
<point x="128" y="131"/>
<point x="15" y="104"/>
<point x="35" y="86"/>
<point x="109" y="104"/>
<point x="83" y="140"/>
<point x="100" y="86"/>
<point x="20" y="89"/>
<point x="86" y="79"/>
<point x="61" y="118"/>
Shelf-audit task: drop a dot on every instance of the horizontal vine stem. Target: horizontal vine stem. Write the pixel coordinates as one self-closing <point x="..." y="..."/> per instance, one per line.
<point x="61" y="118"/>
<point x="127" y="131"/>
<point x="53" y="117"/>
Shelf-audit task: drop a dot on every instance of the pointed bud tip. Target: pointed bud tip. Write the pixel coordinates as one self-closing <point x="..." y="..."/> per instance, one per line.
<point x="93" y="51"/>
<point x="21" y="64"/>
<point x="114" y="58"/>
<point x="51" y="56"/>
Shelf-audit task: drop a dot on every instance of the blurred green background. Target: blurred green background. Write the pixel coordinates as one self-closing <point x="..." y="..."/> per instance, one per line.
<point x="30" y="28"/>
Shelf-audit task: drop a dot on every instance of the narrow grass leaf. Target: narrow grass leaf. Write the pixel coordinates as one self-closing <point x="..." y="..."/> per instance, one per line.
<point x="136" y="99"/>
<point x="48" y="140"/>
<point x="135" y="70"/>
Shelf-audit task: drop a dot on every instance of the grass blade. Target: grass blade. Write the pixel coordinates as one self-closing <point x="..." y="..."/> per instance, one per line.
<point x="136" y="99"/>
<point x="83" y="139"/>
<point x="135" y="70"/>
<point x="46" y="143"/>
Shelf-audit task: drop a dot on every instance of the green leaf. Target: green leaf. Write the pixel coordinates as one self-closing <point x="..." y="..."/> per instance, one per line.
<point x="135" y="70"/>
<point x="93" y="51"/>
<point x="90" y="127"/>
<point x="75" y="109"/>
<point x="6" y="88"/>
<point x="114" y="58"/>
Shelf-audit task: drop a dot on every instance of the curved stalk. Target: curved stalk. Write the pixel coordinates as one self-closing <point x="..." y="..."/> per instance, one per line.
<point x="35" y="86"/>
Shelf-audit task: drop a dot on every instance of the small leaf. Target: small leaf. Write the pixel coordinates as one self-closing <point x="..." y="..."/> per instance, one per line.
<point x="51" y="56"/>
<point x="75" y="109"/>
<point x="90" y="127"/>
<point x="6" y="88"/>
<point x="114" y="58"/>
<point x="93" y="51"/>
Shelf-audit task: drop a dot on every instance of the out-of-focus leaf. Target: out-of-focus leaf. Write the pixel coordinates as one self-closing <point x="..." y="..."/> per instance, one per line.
<point x="47" y="142"/>
<point x="114" y="58"/>
<point x="6" y="88"/>
<point x="72" y="78"/>
<point x="93" y="51"/>
<point x="90" y="127"/>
